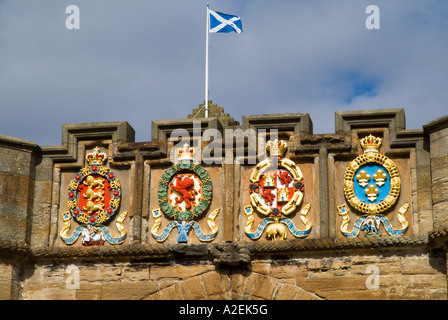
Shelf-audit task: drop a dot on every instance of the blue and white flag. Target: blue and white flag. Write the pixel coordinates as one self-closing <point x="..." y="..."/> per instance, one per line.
<point x="220" y="22"/>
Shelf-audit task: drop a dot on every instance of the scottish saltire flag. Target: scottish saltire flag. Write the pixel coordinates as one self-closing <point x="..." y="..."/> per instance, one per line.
<point x="220" y="22"/>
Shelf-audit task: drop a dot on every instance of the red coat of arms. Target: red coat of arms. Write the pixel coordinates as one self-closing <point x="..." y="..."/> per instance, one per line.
<point x="94" y="197"/>
<point x="185" y="191"/>
<point x="276" y="189"/>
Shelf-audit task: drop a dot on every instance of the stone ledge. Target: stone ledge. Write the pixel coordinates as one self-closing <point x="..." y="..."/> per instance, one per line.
<point x="117" y="131"/>
<point x="438" y="232"/>
<point x="436" y="124"/>
<point x="337" y="142"/>
<point x="155" y="149"/>
<point x="336" y="244"/>
<point x="140" y="251"/>
<point x="297" y="123"/>
<point x="392" y="118"/>
<point x="14" y="248"/>
<point x="219" y="253"/>
<point x="18" y="143"/>
<point x="438" y="238"/>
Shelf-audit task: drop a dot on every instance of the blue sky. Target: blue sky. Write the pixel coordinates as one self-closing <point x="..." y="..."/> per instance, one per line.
<point x="143" y="60"/>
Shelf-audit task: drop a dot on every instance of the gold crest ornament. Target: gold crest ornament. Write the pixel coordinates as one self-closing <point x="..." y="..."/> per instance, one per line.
<point x="94" y="197"/>
<point x="185" y="194"/>
<point x="276" y="190"/>
<point x="372" y="186"/>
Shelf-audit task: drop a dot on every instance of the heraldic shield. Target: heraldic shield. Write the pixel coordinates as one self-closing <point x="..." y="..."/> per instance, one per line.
<point x="276" y="190"/>
<point x="372" y="186"/>
<point x="185" y="193"/>
<point x="94" y="197"/>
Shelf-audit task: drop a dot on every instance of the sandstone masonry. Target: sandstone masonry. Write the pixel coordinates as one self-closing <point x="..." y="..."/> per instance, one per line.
<point x="36" y="264"/>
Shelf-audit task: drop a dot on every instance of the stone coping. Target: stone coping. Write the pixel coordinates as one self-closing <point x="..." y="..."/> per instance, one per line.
<point x="220" y="253"/>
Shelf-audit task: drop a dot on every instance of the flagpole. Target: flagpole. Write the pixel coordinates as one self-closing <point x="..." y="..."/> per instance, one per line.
<point x="206" y="63"/>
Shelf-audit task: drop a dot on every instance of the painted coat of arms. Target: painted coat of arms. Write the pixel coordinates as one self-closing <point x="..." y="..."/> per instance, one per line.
<point x="372" y="186"/>
<point x="94" y="197"/>
<point x="185" y="193"/>
<point x="276" y="190"/>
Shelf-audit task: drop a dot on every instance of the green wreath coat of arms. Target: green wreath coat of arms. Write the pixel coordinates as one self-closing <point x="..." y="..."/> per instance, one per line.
<point x="184" y="195"/>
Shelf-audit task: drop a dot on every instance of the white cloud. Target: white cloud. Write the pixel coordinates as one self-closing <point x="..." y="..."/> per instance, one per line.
<point x="144" y="60"/>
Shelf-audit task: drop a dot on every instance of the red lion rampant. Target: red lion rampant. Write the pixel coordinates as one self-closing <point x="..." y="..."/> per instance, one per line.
<point x="268" y="196"/>
<point x="284" y="177"/>
<point x="184" y="187"/>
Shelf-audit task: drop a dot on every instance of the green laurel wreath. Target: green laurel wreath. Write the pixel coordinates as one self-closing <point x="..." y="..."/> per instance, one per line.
<point x="207" y="190"/>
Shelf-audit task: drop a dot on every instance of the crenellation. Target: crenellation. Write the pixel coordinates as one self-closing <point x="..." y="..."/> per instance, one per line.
<point x="355" y="214"/>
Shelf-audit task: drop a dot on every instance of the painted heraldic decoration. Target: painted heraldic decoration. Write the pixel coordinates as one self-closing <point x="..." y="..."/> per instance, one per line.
<point x="185" y="193"/>
<point x="94" y="196"/>
<point x="372" y="186"/>
<point x="276" y="190"/>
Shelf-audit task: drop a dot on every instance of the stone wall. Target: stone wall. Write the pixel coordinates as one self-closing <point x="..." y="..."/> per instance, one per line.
<point x="34" y="180"/>
<point x="405" y="273"/>
<point x="438" y="141"/>
<point x="17" y="173"/>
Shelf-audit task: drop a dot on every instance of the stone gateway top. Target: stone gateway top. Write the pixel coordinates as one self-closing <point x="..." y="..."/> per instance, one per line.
<point x="213" y="209"/>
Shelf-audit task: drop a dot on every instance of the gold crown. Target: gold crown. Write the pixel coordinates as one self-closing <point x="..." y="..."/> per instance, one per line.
<point x="371" y="143"/>
<point x="276" y="148"/>
<point x="96" y="157"/>
<point x="185" y="152"/>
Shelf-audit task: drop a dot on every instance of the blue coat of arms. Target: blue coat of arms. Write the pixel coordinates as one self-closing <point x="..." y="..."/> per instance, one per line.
<point x="372" y="186"/>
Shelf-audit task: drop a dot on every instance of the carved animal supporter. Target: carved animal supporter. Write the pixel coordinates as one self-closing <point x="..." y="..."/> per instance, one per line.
<point x="276" y="230"/>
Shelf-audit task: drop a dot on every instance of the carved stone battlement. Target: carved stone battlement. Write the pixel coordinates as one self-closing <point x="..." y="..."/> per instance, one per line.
<point x="225" y="218"/>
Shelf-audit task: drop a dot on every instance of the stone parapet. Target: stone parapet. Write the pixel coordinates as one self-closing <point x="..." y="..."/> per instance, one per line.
<point x="127" y="220"/>
<point x="438" y="142"/>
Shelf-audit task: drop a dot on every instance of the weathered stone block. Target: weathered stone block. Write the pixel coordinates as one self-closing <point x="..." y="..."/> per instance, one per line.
<point x="100" y="273"/>
<point x="172" y="292"/>
<point x="213" y="285"/>
<point x="323" y="284"/>
<point x="5" y="161"/>
<point x="264" y="287"/>
<point x="385" y="265"/>
<point x="439" y="167"/>
<point x="193" y="289"/>
<point x="288" y="271"/>
<point x="135" y="273"/>
<point x="89" y="291"/>
<point x="126" y="290"/>
<point x="420" y="265"/>
<point x="285" y="292"/>
<point x="6" y="281"/>
<point x="440" y="191"/>
<point x="48" y="291"/>
<point x="440" y="214"/>
<point x="354" y="295"/>
<point x="177" y="271"/>
<point x="12" y="228"/>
